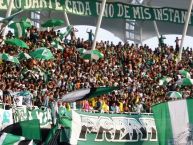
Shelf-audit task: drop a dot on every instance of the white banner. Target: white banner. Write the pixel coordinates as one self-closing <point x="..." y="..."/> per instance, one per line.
<point x="6" y="118"/>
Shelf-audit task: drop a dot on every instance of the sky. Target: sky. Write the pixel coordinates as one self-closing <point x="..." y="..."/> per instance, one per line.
<point x="102" y="35"/>
<point x="170" y="40"/>
<point x="152" y="43"/>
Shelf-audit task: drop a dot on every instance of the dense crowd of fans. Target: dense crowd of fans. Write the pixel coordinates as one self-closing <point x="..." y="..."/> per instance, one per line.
<point x="135" y="69"/>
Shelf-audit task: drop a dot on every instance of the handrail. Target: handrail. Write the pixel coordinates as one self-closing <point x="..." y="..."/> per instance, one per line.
<point x="91" y="111"/>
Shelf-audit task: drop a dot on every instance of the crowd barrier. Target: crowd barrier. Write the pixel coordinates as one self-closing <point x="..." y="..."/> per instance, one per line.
<point x="16" y="114"/>
<point x="126" y="128"/>
<point x="96" y="128"/>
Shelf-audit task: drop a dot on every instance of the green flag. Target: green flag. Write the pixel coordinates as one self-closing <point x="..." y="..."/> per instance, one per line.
<point x="92" y="54"/>
<point x="57" y="46"/>
<point x="164" y="81"/>
<point x="16" y="42"/>
<point x="42" y="53"/>
<point x="174" y="122"/>
<point x="185" y="82"/>
<point x="7" y="57"/>
<point x="25" y="19"/>
<point x="185" y="73"/>
<point x="23" y="56"/>
<point x="67" y="32"/>
<point x="29" y="129"/>
<point x="53" y="23"/>
<point x="174" y="94"/>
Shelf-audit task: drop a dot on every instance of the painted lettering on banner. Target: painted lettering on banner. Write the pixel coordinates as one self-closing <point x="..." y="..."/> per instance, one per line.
<point x="118" y="129"/>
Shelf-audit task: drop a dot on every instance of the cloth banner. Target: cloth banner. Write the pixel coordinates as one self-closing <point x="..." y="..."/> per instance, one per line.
<point x="174" y="121"/>
<point x="29" y="129"/>
<point x="71" y="121"/>
<point x="112" y="10"/>
<point x="110" y="129"/>
<point x="6" y="118"/>
<point x="23" y="113"/>
<point x="18" y="100"/>
<point x="22" y="98"/>
<point x="19" y="29"/>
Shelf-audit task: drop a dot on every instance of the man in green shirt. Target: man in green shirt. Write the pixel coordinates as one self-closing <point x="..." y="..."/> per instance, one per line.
<point x="161" y="41"/>
<point x="90" y="36"/>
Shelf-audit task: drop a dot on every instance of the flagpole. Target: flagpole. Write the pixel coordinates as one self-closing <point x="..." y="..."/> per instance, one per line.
<point x="185" y="30"/>
<point x="141" y="35"/>
<point x="8" y="13"/>
<point x="154" y="22"/>
<point x="99" y="23"/>
<point x="156" y="29"/>
<point x="66" y="18"/>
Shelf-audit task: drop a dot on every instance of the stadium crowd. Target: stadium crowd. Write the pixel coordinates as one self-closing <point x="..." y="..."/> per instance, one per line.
<point x="135" y="69"/>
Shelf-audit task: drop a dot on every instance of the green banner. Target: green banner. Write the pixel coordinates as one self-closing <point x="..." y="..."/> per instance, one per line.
<point x="124" y="129"/>
<point x="23" y="113"/>
<point x="113" y="9"/>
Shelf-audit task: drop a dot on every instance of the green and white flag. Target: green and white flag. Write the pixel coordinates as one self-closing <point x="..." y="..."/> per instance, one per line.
<point x="174" y="122"/>
<point x="92" y="54"/>
<point x="23" y="56"/>
<point x="67" y="32"/>
<point x="7" y="57"/>
<point x="10" y="139"/>
<point x="28" y="20"/>
<point x="185" y="73"/>
<point x="20" y="28"/>
<point x="57" y="45"/>
<point x="72" y="123"/>
<point x="81" y="50"/>
<point x="185" y="82"/>
<point x="42" y="53"/>
<point x="164" y="81"/>
<point x="174" y="94"/>
<point x="4" y="22"/>
<point x="24" y="114"/>
<point x="29" y="129"/>
<point x="86" y="93"/>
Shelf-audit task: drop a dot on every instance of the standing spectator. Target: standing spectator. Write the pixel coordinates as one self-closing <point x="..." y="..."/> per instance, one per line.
<point x="113" y="108"/>
<point x="177" y="41"/>
<point x="46" y="99"/>
<point x="139" y="106"/>
<point x="161" y="41"/>
<point x="86" y="106"/>
<point x="105" y="107"/>
<point x="90" y="36"/>
<point x="99" y="105"/>
<point x="1" y="92"/>
<point x="72" y="34"/>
